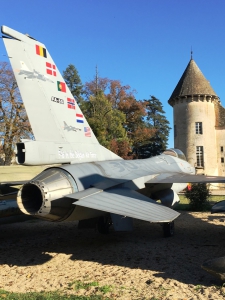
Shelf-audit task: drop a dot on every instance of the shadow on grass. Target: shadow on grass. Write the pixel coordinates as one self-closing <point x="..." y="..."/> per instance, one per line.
<point x="183" y="207"/>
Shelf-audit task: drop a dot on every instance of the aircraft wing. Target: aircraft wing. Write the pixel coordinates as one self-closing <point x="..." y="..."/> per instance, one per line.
<point x="185" y="178"/>
<point x="126" y="202"/>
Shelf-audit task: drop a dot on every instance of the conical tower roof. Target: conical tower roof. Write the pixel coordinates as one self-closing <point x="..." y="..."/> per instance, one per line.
<point x="192" y="82"/>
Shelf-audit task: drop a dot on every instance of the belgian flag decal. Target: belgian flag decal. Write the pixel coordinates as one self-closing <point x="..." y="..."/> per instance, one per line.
<point x="41" y="51"/>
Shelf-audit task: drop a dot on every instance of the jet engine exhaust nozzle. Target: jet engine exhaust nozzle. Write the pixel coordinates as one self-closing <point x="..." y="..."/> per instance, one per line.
<point x="43" y="196"/>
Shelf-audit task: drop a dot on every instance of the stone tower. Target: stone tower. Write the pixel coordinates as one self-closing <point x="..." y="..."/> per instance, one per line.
<point x="199" y="122"/>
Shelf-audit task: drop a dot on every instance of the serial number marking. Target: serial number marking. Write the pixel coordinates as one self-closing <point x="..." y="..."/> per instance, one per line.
<point x="57" y="100"/>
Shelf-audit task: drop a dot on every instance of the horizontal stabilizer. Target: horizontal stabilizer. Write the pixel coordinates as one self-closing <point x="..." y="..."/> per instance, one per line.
<point x="184" y="178"/>
<point x="9" y="189"/>
<point x="13" y="183"/>
<point x="125" y="202"/>
<point x="218" y="207"/>
<point x="216" y="267"/>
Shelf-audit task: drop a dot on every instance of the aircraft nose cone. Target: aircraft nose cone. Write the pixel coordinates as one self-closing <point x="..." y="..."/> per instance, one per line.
<point x="216" y="267"/>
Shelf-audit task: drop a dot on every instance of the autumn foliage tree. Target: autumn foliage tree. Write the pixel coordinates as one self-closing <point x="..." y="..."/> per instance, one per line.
<point x="138" y="131"/>
<point x="131" y="114"/>
<point x="14" y="123"/>
<point x="126" y="126"/>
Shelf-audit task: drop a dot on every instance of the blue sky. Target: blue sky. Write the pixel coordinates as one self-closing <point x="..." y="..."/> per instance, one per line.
<point x="143" y="43"/>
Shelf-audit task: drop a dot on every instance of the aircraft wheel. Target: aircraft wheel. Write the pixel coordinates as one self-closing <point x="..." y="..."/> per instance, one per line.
<point x="103" y="225"/>
<point x="168" y="229"/>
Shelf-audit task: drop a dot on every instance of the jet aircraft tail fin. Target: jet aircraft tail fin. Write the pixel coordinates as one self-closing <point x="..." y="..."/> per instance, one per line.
<point x="49" y="105"/>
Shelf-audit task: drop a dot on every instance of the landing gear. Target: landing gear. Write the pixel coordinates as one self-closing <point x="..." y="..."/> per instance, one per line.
<point x="168" y="229"/>
<point x="103" y="224"/>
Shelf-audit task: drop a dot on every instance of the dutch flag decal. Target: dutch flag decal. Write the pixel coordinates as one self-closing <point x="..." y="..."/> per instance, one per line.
<point x="80" y="118"/>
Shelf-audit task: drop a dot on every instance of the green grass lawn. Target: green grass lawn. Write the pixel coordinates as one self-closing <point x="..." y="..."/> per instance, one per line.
<point x="184" y="202"/>
<point x="46" y="296"/>
<point x="98" y="293"/>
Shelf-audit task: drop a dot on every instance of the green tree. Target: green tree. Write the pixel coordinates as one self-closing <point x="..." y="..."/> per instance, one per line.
<point x="14" y="124"/>
<point x="156" y="121"/>
<point x="106" y="122"/>
<point x="198" y="195"/>
<point x="73" y="82"/>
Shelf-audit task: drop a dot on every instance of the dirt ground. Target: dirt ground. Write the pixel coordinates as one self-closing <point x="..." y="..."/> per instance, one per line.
<point x="42" y="256"/>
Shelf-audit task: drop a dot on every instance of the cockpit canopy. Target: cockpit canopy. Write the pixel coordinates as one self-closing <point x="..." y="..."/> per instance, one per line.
<point x="175" y="152"/>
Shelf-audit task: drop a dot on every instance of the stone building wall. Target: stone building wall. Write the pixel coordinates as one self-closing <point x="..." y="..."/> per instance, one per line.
<point x="220" y="116"/>
<point x="194" y="100"/>
<point x="220" y="137"/>
<point x="188" y="111"/>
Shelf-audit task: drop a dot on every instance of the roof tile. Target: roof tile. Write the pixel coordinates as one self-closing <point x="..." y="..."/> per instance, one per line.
<point x="192" y="82"/>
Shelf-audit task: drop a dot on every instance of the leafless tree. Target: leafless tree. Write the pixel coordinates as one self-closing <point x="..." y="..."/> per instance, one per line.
<point x="14" y="123"/>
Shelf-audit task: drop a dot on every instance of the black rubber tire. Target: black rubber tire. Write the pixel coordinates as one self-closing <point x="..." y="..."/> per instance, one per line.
<point x="102" y="226"/>
<point x="168" y="229"/>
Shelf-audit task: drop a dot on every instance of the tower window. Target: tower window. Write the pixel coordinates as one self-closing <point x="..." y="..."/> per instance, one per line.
<point x="222" y="159"/>
<point x="199" y="156"/>
<point x="198" y="127"/>
<point x="221" y="148"/>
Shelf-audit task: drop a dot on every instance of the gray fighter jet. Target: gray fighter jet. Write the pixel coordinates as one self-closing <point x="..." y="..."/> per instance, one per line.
<point x="93" y="185"/>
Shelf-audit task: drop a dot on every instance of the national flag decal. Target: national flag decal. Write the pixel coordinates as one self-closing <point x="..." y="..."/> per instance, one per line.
<point x="50" y="69"/>
<point x="80" y="118"/>
<point x="70" y="103"/>
<point x="61" y="86"/>
<point x="41" y="51"/>
<point x="87" y="131"/>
